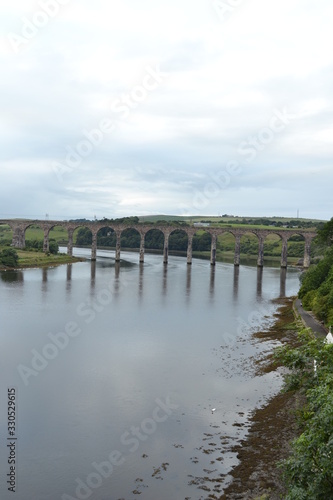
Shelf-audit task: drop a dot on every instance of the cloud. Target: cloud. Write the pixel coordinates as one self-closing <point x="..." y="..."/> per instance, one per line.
<point x="225" y="80"/>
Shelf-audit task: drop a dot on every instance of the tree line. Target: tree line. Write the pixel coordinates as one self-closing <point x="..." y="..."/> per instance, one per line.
<point x="178" y="240"/>
<point x="316" y="290"/>
<point x="154" y="239"/>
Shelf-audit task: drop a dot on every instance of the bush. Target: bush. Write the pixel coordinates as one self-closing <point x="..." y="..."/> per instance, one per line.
<point x="316" y="275"/>
<point x="9" y="257"/>
<point x="308" y="471"/>
<point x="53" y="247"/>
<point x="316" y="289"/>
<point x="37" y="246"/>
<point x="34" y="245"/>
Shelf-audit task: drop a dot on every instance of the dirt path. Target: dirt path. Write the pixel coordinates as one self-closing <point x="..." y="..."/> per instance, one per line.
<point x="310" y="321"/>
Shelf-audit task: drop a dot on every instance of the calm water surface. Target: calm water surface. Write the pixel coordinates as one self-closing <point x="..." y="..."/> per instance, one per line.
<point x="120" y="405"/>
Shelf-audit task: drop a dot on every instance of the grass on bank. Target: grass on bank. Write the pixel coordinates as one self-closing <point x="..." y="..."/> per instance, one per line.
<point x="39" y="259"/>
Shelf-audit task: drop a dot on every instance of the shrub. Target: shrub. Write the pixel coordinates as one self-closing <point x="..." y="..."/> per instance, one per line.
<point x="9" y="257"/>
<point x="53" y="247"/>
<point x="308" y="471"/>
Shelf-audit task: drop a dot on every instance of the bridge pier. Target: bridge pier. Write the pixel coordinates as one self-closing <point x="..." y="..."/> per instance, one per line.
<point x="70" y="242"/>
<point x="213" y="250"/>
<point x="46" y="242"/>
<point x="284" y="253"/>
<point x="260" y="270"/>
<point x="283" y="276"/>
<point x="142" y="248"/>
<point x="166" y="248"/>
<point x="307" y="252"/>
<point x="189" y="249"/>
<point x="18" y="240"/>
<point x="237" y="250"/>
<point x="94" y="246"/>
<point x="260" y="261"/>
<point x="118" y="233"/>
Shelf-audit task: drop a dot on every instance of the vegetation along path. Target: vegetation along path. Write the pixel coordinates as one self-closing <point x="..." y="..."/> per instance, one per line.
<point x="310" y="321"/>
<point x="288" y="453"/>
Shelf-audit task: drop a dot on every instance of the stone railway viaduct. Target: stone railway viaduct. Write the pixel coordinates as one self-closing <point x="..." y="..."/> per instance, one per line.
<point x="19" y="228"/>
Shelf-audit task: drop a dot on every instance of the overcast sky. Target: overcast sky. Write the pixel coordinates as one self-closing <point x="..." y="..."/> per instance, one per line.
<point x="115" y="108"/>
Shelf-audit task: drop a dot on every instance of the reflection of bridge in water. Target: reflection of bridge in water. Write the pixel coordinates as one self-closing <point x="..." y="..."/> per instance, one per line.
<point x="117" y="283"/>
<point x="19" y="228"/>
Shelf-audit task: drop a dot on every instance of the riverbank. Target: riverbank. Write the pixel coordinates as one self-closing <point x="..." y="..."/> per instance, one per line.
<point x="273" y="427"/>
<point x="29" y="259"/>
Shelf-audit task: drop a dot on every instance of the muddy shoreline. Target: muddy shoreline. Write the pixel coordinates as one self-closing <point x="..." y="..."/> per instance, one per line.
<point x="273" y="427"/>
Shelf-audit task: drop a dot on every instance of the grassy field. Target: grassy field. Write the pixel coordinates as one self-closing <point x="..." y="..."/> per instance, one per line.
<point x="34" y="233"/>
<point x="57" y="233"/>
<point x="40" y="259"/>
<point x="6" y="234"/>
<point x="221" y="221"/>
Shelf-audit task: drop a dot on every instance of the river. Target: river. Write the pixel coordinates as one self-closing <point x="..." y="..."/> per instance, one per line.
<point x="116" y="371"/>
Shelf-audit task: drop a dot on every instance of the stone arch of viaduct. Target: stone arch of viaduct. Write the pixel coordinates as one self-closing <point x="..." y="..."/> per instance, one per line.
<point x="19" y="228"/>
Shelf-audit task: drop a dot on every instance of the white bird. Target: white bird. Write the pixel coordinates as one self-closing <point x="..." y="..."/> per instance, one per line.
<point x="213" y="409"/>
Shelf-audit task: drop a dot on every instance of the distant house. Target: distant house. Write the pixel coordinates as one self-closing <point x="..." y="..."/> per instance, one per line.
<point x="201" y="224"/>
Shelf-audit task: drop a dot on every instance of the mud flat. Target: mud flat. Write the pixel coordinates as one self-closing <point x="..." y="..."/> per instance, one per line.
<point x="272" y="427"/>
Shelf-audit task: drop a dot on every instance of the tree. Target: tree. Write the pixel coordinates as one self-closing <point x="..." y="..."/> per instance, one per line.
<point x="53" y="247"/>
<point x="325" y="234"/>
<point x="84" y="236"/>
<point x="178" y="240"/>
<point x="9" y="257"/>
<point x="308" y="471"/>
<point x="154" y="239"/>
<point x="316" y="290"/>
<point x="202" y="242"/>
